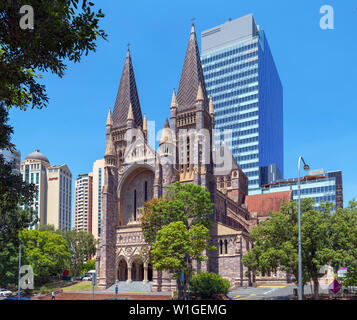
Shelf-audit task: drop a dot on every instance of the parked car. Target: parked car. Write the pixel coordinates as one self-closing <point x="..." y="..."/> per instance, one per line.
<point x="5" y="293"/>
<point x="87" y="278"/>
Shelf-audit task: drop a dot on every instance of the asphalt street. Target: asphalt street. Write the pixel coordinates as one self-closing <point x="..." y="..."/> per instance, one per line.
<point x="270" y="292"/>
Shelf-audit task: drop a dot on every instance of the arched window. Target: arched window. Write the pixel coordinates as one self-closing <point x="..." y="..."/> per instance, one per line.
<point x="225" y="246"/>
<point x="146" y="191"/>
<point x="220" y="247"/>
<point x="134" y="205"/>
<point x="188" y="152"/>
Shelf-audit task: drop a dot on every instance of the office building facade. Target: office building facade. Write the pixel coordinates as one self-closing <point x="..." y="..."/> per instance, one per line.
<point x="318" y="185"/>
<point x="98" y="179"/>
<point x="241" y="76"/>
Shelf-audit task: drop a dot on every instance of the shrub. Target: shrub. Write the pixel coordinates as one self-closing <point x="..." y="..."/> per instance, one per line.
<point x="44" y="290"/>
<point x="206" y="284"/>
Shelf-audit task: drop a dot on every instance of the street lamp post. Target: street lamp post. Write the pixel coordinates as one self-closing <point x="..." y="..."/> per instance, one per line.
<point x="19" y="284"/>
<point x="306" y="167"/>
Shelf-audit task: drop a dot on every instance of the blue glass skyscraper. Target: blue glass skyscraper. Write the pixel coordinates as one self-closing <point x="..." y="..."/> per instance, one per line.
<point x="241" y="76"/>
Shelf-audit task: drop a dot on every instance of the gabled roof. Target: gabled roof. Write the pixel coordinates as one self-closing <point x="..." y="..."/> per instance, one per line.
<point x="265" y="203"/>
<point x="127" y="94"/>
<point x="191" y="76"/>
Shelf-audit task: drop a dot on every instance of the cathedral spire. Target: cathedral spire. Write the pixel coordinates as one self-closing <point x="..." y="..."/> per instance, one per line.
<point x="211" y="109"/>
<point x="145" y="124"/>
<point x="127" y="94"/>
<point x="130" y="113"/>
<point x="199" y="93"/>
<point x="191" y="76"/>
<point x="109" y="118"/>
<point x="174" y="100"/>
<point x="110" y="149"/>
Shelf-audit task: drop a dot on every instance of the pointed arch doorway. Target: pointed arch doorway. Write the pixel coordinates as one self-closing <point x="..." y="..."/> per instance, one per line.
<point x="122" y="270"/>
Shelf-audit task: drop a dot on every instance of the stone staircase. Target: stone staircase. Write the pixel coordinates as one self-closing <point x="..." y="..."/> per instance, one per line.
<point x="134" y="286"/>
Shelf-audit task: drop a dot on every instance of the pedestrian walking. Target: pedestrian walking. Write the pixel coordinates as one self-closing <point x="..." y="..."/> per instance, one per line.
<point x="53" y="295"/>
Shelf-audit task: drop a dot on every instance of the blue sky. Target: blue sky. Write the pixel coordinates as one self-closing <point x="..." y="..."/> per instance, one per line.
<point x="317" y="68"/>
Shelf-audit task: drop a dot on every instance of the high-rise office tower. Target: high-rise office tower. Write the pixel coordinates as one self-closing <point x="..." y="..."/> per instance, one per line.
<point x="317" y="185"/>
<point x="59" y="197"/>
<point x="98" y="182"/>
<point x="53" y="199"/>
<point x="241" y="76"/>
<point x="83" y="202"/>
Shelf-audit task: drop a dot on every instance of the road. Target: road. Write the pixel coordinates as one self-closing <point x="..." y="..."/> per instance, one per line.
<point x="270" y="292"/>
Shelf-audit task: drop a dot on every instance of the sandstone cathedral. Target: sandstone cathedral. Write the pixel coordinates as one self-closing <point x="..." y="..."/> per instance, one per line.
<point x="135" y="173"/>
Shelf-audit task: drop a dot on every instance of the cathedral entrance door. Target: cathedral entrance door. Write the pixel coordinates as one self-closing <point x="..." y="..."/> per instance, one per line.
<point x="137" y="271"/>
<point x="122" y="270"/>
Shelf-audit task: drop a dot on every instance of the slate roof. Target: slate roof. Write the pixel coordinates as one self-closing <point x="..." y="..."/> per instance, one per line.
<point x="191" y="76"/>
<point x="127" y="93"/>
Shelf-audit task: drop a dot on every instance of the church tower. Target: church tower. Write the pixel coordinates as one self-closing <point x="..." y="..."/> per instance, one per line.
<point x="122" y="128"/>
<point x="193" y="123"/>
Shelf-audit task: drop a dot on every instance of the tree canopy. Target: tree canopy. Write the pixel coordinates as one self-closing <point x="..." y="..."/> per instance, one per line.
<point x="46" y="252"/>
<point x="188" y="203"/>
<point x="177" y="227"/>
<point x="63" y="31"/>
<point x="327" y="238"/>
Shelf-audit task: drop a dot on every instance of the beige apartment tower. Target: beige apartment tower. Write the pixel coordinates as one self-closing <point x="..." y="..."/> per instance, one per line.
<point x="59" y="196"/>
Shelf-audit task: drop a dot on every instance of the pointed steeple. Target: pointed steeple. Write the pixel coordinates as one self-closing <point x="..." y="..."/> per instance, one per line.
<point x="166" y="133"/>
<point x="145" y="124"/>
<point x="127" y="94"/>
<point x="110" y="149"/>
<point x="109" y="118"/>
<point x="211" y="109"/>
<point x="130" y="113"/>
<point x="191" y="76"/>
<point x="174" y="100"/>
<point x="167" y="125"/>
<point x="199" y="94"/>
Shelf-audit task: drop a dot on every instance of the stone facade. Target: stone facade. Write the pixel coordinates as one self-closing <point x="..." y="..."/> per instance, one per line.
<point x="135" y="173"/>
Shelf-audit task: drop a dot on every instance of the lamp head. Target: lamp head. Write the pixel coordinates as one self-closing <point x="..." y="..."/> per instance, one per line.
<point x="306" y="167"/>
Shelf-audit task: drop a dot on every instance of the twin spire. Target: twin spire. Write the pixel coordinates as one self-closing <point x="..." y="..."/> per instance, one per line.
<point x="191" y="77"/>
<point x="191" y="90"/>
<point x="127" y="96"/>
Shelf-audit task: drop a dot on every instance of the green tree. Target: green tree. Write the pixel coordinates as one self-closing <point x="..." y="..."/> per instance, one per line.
<point x="82" y="246"/>
<point x="47" y="253"/>
<point x="185" y="207"/>
<point x="276" y="242"/>
<point x="342" y="232"/>
<point x="14" y="193"/>
<point x="89" y="265"/>
<point x="175" y="246"/>
<point x="64" y="30"/>
<point x="188" y="203"/>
